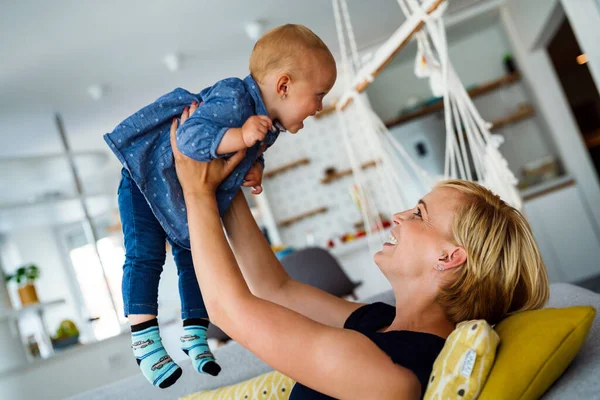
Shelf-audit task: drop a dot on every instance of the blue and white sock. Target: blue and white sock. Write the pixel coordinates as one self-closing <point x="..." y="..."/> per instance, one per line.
<point x="156" y="365"/>
<point x="194" y="344"/>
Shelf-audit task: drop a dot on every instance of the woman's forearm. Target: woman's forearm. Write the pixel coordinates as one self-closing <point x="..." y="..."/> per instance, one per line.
<point x="262" y="271"/>
<point x="209" y="249"/>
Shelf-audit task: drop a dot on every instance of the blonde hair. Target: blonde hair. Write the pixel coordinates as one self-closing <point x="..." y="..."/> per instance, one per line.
<point x="504" y="272"/>
<point x="285" y="48"/>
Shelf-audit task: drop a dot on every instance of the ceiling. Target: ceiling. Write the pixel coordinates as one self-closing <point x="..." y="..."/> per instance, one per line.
<point x="53" y="51"/>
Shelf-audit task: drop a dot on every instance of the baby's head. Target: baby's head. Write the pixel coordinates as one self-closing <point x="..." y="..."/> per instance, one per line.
<point x="294" y="70"/>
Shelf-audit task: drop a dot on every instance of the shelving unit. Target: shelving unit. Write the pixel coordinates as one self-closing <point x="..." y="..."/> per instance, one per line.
<point x="31" y="308"/>
<point x="340" y="174"/>
<point x="544" y="188"/>
<point x="38" y="310"/>
<point x="439" y="105"/>
<point x="524" y="112"/>
<point x="279" y="170"/>
<point x="300" y="217"/>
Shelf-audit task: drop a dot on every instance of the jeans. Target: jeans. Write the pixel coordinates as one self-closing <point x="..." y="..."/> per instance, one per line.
<point x="145" y="253"/>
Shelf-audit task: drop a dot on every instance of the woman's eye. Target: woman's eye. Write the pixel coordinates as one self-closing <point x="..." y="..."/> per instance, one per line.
<point x="418" y="213"/>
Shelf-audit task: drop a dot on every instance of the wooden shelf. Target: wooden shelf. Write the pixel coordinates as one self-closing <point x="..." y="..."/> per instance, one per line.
<point x="285" y="167"/>
<point x="439" y="105"/>
<point x="340" y="174"/>
<point x="37" y="307"/>
<point x="425" y="110"/>
<point x="525" y="111"/>
<point x="543" y="188"/>
<point x="300" y="217"/>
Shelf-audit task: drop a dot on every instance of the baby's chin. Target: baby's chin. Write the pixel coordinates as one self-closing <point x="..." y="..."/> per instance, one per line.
<point x="295" y="128"/>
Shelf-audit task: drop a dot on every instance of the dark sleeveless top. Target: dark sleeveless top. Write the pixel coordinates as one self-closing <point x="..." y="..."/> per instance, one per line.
<point x="415" y="351"/>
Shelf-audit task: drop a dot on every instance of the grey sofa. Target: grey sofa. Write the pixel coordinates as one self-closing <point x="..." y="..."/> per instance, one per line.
<point x="579" y="381"/>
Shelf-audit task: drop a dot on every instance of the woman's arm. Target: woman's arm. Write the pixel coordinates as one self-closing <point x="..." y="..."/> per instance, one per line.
<point x="341" y="363"/>
<point x="266" y="277"/>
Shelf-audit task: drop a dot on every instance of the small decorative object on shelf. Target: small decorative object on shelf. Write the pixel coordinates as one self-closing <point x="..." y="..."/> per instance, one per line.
<point x="331" y="174"/>
<point x="67" y="335"/>
<point x="509" y="64"/>
<point x="359" y="233"/>
<point x="285" y="167"/>
<point x="33" y="346"/>
<point x="25" y="276"/>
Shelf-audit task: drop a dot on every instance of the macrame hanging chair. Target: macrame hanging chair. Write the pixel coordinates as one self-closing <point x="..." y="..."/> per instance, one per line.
<point x="471" y="150"/>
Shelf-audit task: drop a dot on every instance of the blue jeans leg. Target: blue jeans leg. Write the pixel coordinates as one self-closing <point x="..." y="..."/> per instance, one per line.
<point x="192" y="304"/>
<point x="145" y="252"/>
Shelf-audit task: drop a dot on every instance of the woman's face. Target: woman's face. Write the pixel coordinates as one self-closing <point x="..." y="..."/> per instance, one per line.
<point x="421" y="236"/>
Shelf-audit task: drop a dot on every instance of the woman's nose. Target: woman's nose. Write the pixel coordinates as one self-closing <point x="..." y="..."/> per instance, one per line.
<point x="397" y="218"/>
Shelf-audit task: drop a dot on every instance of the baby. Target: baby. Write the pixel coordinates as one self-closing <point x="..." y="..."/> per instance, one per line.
<point x="291" y="70"/>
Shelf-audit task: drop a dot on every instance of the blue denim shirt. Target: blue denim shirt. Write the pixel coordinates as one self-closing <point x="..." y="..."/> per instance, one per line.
<point x="142" y="144"/>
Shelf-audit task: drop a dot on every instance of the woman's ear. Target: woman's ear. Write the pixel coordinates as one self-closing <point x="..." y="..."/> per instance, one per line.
<point x="456" y="257"/>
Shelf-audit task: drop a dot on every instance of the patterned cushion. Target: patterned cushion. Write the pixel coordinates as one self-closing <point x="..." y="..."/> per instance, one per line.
<point x="271" y="386"/>
<point x="461" y="369"/>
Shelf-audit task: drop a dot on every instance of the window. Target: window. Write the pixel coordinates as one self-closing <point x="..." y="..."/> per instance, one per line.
<point x="100" y="291"/>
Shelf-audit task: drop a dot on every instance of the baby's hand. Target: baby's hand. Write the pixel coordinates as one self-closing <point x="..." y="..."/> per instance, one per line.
<point x="254" y="178"/>
<point x="255" y="129"/>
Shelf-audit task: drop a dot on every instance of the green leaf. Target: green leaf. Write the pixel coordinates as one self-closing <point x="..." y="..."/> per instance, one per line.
<point x="32" y="272"/>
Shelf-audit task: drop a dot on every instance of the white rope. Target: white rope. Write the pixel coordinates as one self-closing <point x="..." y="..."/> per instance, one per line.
<point x="367" y="128"/>
<point x="351" y="38"/>
<point x="355" y="169"/>
<point x="471" y="151"/>
<point x="340" y="34"/>
<point x="376" y="148"/>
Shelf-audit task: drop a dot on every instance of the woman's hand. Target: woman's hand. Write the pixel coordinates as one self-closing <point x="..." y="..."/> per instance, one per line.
<point x="198" y="177"/>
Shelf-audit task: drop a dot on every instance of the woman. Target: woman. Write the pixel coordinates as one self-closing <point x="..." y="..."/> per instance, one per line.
<point x="460" y="254"/>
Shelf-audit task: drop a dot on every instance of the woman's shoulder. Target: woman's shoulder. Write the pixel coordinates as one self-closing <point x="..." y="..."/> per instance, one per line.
<point x="415" y="351"/>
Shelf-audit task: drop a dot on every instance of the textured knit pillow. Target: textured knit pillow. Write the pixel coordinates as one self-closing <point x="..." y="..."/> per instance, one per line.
<point x="270" y="386"/>
<point x="537" y="346"/>
<point x="460" y="371"/>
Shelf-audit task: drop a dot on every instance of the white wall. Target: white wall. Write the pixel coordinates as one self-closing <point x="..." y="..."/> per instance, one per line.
<point x="476" y="58"/>
<point x="531" y="17"/>
<point x="550" y="99"/>
<point x="39" y="246"/>
<point x="70" y="372"/>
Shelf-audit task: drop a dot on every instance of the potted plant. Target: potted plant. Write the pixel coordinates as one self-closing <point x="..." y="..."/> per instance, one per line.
<point x="25" y="277"/>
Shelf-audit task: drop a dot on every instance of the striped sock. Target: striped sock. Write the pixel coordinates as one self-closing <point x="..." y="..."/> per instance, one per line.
<point x="156" y="365"/>
<point x="194" y="344"/>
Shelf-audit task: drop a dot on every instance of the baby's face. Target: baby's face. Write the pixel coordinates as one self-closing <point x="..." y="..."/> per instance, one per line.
<point x="305" y="97"/>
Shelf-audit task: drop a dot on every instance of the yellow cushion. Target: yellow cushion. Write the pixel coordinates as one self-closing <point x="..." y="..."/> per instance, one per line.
<point x="536" y="347"/>
<point x="271" y="386"/>
<point x="460" y="371"/>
